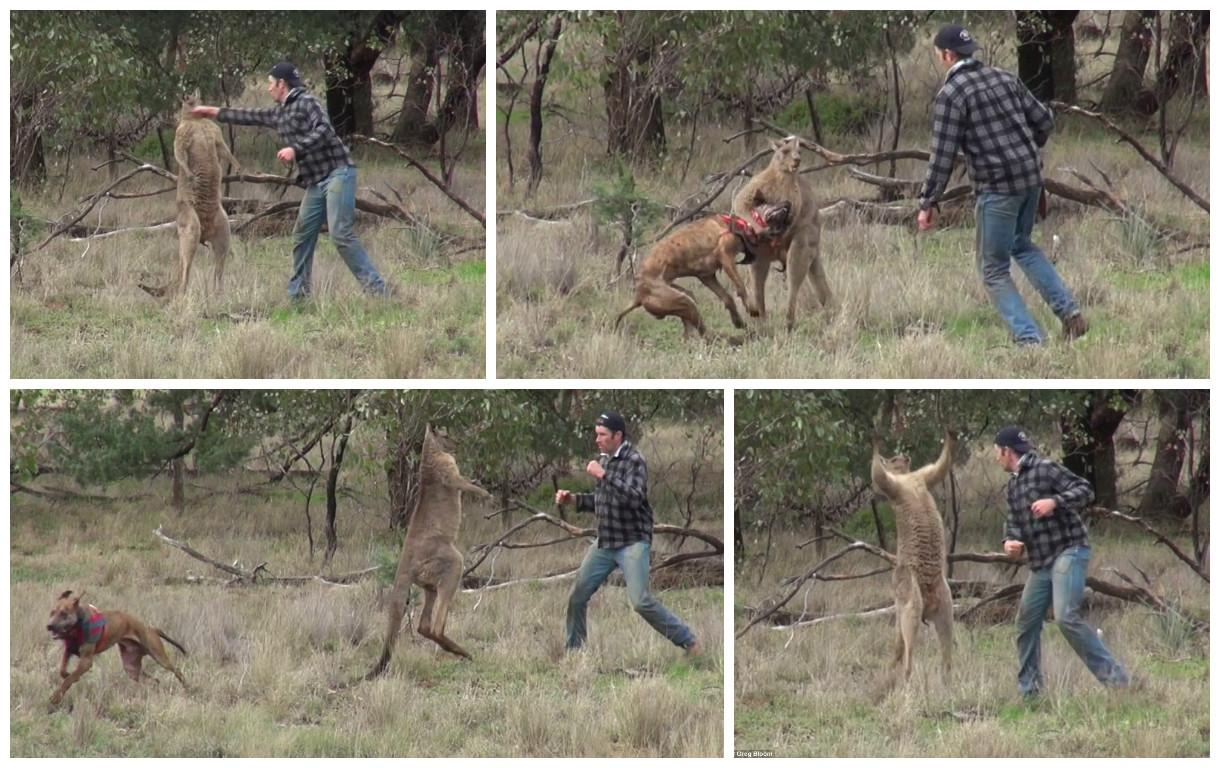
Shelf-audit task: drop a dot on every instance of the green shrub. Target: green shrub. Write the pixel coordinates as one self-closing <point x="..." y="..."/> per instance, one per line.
<point x="841" y="113"/>
<point x="149" y="149"/>
<point x="22" y="225"/>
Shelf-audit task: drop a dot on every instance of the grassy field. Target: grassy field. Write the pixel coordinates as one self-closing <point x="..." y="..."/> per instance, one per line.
<point x="264" y="660"/>
<point x="78" y="312"/>
<point x="813" y="691"/>
<point x="908" y="306"/>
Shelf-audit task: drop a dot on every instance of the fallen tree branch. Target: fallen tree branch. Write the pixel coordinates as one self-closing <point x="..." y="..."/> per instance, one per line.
<point x="260" y="572"/>
<point x="1195" y="566"/>
<point x="549" y="214"/>
<point x="1131" y="593"/>
<point x="533" y="580"/>
<point x="1138" y="594"/>
<point x="478" y="216"/>
<point x="93" y="200"/>
<point x="800" y="581"/>
<point x="715" y="192"/>
<point x="1094" y="197"/>
<point x="1197" y="199"/>
<point x="486" y="549"/>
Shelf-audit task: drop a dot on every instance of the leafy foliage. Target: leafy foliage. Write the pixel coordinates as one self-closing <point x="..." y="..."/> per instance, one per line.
<point x="803" y="451"/>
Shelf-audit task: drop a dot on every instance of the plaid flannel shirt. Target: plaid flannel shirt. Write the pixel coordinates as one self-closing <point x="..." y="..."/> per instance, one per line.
<point x="302" y="123"/>
<point x="620" y="500"/>
<point x="989" y="115"/>
<point x="1045" y="538"/>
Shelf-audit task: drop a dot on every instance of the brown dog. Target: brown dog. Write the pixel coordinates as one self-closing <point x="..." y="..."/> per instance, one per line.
<point x="86" y="633"/>
<point x="701" y="249"/>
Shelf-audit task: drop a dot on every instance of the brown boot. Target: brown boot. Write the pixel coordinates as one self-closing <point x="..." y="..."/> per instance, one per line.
<point x="1074" y="327"/>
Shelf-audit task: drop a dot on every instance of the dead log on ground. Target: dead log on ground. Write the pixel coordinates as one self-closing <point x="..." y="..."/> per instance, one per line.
<point x="1197" y="199"/>
<point x="771" y="606"/>
<point x="476" y="214"/>
<point x="260" y="572"/>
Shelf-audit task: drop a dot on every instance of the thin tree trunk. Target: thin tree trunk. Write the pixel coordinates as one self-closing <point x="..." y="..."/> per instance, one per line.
<point x="332" y="484"/>
<point x="27" y="163"/>
<point x="544" y="56"/>
<point x="179" y="469"/>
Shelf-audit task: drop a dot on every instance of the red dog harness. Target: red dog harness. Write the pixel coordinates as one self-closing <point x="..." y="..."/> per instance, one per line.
<point x="89" y="630"/>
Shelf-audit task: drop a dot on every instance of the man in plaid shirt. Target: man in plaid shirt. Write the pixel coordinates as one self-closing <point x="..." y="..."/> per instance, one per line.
<point x="326" y="172"/>
<point x="990" y="115"/>
<point x="624" y="536"/>
<point x="1044" y="501"/>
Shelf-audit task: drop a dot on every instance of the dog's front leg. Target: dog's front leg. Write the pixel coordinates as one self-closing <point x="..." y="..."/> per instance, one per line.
<point x="86" y="661"/>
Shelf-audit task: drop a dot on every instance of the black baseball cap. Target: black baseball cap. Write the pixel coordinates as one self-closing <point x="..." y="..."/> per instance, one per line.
<point x="955" y="38"/>
<point x="1015" y="438"/>
<point x="287" y="71"/>
<point x="611" y="421"/>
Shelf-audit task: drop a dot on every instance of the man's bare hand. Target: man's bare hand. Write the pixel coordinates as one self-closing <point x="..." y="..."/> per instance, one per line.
<point x="287" y="154"/>
<point x="1014" y="549"/>
<point x="1044" y="507"/>
<point x="595" y="469"/>
<point x="564" y="497"/>
<point x="926" y="219"/>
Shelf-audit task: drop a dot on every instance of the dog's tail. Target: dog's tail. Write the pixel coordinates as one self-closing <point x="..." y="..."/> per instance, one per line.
<point x="171" y="641"/>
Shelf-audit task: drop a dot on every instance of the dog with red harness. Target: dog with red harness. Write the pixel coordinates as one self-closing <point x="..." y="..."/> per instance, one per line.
<point x="701" y="249"/>
<point x="86" y="632"/>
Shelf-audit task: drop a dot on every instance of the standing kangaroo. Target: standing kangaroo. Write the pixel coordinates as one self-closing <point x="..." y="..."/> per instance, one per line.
<point x="799" y="250"/>
<point x="429" y="557"/>
<point x="199" y="147"/>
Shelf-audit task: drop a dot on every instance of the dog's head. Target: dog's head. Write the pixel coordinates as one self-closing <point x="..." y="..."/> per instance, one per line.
<point x="65" y="615"/>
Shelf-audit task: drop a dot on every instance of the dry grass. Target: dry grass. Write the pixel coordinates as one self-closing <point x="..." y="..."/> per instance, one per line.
<point x="264" y="660"/>
<point x="812" y="691"/>
<point x="909" y="307"/>
<point x="77" y="311"/>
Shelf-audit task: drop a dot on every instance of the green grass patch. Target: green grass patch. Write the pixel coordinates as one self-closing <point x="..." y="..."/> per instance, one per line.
<point x="1194" y="277"/>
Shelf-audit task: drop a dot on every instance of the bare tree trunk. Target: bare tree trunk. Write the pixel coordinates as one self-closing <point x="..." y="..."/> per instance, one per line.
<point x="467" y="58"/>
<point x="26" y="163"/>
<point x="1087" y="443"/>
<point x="413" y="127"/>
<point x="403" y="472"/>
<point x="1186" y="43"/>
<point x="544" y="55"/>
<point x="349" y="74"/>
<point x="813" y="116"/>
<point x="1161" y="498"/>
<point x="1046" y="53"/>
<point x="632" y="100"/>
<point x="179" y="468"/>
<point x="1125" y="88"/>
<point x="332" y="484"/>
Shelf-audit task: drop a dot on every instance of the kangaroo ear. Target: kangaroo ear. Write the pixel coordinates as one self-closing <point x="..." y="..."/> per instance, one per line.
<point x="66" y="594"/>
<point x="774" y="144"/>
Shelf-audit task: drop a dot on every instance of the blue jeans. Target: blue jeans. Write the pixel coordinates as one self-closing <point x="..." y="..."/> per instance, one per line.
<point x="633" y="560"/>
<point x="333" y="199"/>
<point x="1062" y="584"/>
<point x="1005" y="228"/>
